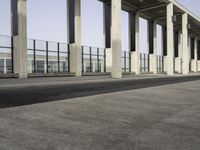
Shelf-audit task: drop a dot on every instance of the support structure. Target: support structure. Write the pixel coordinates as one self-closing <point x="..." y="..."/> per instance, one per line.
<point x="134" y="43"/>
<point x="74" y="36"/>
<point x="164" y="47"/>
<point x="152" y="42"/>
<point x="185" y="44"/>
<point x="170" y="40"/>
<point x="178" y="54"/>
<point x="194" y="61"/>
<point x="116" y="38"/>
<point x="19" y="34"/>
<point x="107" y="34"/>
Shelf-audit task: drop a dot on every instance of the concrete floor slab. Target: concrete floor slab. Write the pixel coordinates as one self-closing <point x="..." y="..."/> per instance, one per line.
<point x="154" y="118"/>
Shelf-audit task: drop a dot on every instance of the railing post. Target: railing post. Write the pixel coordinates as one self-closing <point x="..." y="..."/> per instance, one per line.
<point x="104" y="60"/>
<point x="58" y="50"/>
<point x="124" y="61"/>
<point x="98" y="65"/>
<point x="82" y="49"/>
<point x="130" y="61"/>
<point x="68" y="57"/>
<point x="12" y="54"/>
<point x="90" y="59"/>
<point x="47" y="57"/>
<point x="34" y="56"/>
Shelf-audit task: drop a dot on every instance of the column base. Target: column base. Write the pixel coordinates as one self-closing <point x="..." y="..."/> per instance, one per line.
<point x="153" y="63"/>
<point x="194" y="65"/>
<point x="178" y="65"/>
<point x="108" y="60"/>
<point x="135" y="62"/>
<point x="75" y="59"/>
<point x="22" y="75"/>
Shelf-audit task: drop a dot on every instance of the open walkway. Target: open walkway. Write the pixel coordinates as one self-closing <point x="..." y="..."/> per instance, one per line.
<point x="154" y="118"/>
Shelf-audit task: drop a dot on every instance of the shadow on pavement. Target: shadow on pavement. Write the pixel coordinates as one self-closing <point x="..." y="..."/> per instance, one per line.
<point x="33" y="95"/>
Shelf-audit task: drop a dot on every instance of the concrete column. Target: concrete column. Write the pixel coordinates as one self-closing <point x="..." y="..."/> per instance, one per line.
<point x="135" y="49"/>
<point x="107" y="35"/>
<point x="185" y="66"/>
<point x="195" y="56"/>
<point x="177" y="38"/>
<point x="4" y="66"/>
<point x="170" y="40"/>
<point x="116" y="38"/>
<point x="178" y="59"/>
<point x="164" y="48"/>
<point x="152" y="39"/>
<point x="74" y="36"/>
<point x="19" y="33"/>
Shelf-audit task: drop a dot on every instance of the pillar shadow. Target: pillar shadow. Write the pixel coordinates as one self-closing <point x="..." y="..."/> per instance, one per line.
<point x="33" y="95"/>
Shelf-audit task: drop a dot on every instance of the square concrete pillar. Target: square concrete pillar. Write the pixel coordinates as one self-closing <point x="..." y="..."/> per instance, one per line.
<point x="19" y="33"/>
<point x="194" y="63"/>
<point x="74" y="36"/>
<point x="134" y="42"/>
<point x="185" y="44"/>
<point x="180" y="51"/>
<point x="107" y="35"/>
<point x="116" y="71"/>
<point x="170" y="40"/>
<point x="152" y="41"/>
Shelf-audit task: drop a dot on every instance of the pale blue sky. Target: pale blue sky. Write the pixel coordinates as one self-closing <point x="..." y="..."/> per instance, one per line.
<point x="47" y="21"/>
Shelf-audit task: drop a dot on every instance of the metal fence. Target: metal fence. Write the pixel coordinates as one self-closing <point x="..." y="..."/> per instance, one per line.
<point x="47" y="57"/>
<point x="144" y="62"/>
<point x="160" y="64"/>
<point x="126" y="61"/>
<point x="93" y="59"/>
<point x="6" y="54"/>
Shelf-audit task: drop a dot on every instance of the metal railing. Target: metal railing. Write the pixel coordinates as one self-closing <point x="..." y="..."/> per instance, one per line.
<point x="144" y="62"/>
<point x="47" y="57"/>
<point x="126" y="61"/>
<point x="160" y="63"/>
<point x="6" y="54"/>
<point x="93" y="59"/>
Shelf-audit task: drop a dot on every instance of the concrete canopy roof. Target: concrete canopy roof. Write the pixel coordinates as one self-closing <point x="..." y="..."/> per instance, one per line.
<point x="156" y="10"/>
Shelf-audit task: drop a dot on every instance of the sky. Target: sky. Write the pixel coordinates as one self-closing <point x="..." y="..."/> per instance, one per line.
<point x="46" y="20"/>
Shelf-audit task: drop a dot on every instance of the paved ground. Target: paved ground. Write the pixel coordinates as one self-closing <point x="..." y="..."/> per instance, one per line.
<point x="153" y="118"/>
<point x="18" y="92"/>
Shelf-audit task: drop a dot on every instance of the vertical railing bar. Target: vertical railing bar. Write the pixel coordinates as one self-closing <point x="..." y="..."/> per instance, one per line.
<point x="82" y="48"/>
<point x="125" y="61"/>
<point x="68" y="57"/>
<point x="12" y="54"/>
<point x="98" y="65"/>
<point x="58" y="50"/>
<point x="90" y="59"/>
<point x="34" y="55"/>
<point x="129" y="61"/>
<point x="47" y="57"/>
<point x="104" y="60"/>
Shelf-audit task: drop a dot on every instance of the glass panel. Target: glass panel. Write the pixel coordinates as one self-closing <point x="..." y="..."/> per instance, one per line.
<point x="64" y="57"/>
<point x="8" y="66"/>
<point x="1" y="66"/>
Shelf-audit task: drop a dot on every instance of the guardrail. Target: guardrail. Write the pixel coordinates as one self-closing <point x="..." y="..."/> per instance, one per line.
<point x="6" y="54"/>
<point x="126" y="61"/>
<point x="93" y="59"/>
<point x="160" y="63"/>
<point x="47" y="57"/>
<point x="144" y="62"/>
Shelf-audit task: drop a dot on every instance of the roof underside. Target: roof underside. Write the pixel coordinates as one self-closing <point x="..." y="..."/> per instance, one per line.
<point x="156" y="10"/>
